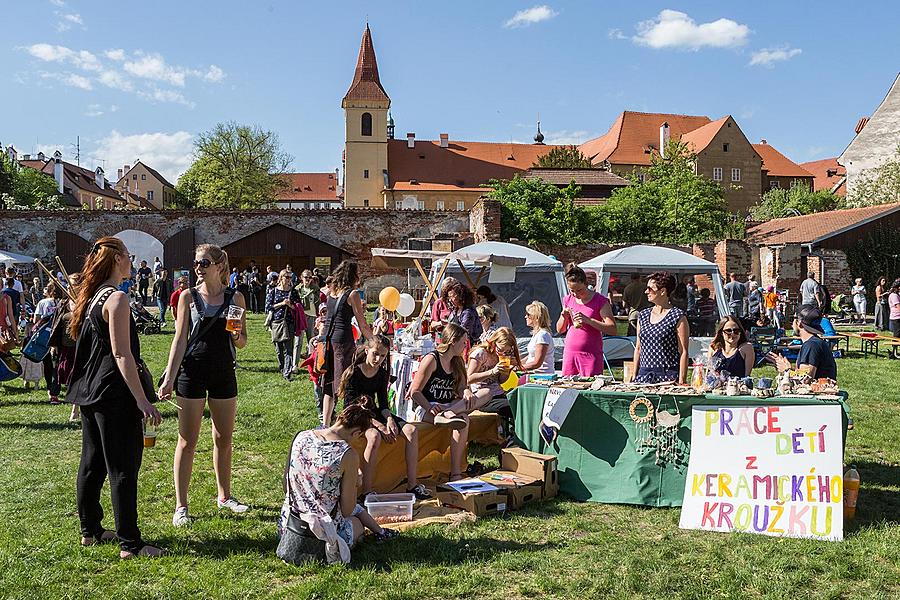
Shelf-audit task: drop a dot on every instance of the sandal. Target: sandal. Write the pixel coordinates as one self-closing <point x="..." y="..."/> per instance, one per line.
<point x="105" y="538"/>
<point x="386" y="534"/>
<point x="420" y="492"/>
<point x="146" y="550"/>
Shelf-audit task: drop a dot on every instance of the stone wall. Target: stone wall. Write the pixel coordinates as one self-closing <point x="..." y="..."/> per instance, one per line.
<point x="485" y="220"/>
<point x="837" y="277"/>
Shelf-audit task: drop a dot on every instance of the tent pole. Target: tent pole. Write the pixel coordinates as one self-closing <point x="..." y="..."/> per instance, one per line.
<point x="480" y="275"/>
<point x="466" y="273"/>
<point x="427" y="281"/>
<point x="433" y="288"/>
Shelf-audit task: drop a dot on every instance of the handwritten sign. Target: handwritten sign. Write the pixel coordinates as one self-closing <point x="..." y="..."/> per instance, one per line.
<point x="774" y="470"/>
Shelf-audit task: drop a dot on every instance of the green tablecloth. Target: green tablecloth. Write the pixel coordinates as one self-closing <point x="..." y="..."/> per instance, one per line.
<point x="598" y="461"/>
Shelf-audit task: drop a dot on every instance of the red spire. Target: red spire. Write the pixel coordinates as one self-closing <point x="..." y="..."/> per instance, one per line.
<point x="366" y="84"/>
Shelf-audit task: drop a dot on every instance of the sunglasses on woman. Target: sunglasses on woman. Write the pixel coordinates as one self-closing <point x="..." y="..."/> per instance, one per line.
<point x="203" y="262"/>
<point x="731" y="331"/>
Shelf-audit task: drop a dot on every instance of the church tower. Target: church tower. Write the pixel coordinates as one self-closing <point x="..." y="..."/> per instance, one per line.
<point x="365" y="107"/>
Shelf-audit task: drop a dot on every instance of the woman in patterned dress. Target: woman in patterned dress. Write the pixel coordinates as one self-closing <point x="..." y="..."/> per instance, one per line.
<point x="321" y="480"/>
<point x="661" y="351"/>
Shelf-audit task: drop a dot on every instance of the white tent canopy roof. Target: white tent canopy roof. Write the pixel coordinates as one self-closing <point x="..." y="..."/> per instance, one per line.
<point x="12" y="257"/>
<point x="502" y="253"/>
<point x="647" y="259"/>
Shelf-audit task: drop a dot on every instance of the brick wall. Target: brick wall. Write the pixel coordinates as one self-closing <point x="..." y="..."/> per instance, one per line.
<point x="485" y="220"/>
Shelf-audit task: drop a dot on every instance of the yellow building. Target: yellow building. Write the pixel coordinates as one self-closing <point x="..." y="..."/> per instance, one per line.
<point x="145" y="183"/>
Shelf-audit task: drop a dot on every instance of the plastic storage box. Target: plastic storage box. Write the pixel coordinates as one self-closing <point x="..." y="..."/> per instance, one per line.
<point x="390" y="508"/>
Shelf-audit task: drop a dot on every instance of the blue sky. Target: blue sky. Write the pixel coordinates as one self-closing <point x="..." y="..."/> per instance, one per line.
<point x="138" y="80"/>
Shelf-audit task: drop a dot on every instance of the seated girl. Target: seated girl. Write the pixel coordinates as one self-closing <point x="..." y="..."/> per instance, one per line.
<point x="369" y="377"/>
<point x="439" y="387"/>
<point x="730" y="350"/>
<point x="384" y="322"/>
<point x="487" y="316"/>
<point x="320" y="486"/>
<point x="490" y="364"/>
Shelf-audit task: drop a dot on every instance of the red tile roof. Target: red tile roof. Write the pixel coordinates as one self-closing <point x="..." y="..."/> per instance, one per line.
<point x="461" y="164"/>
<point x="579" y="176"/>
<point x="777" y="164"/>
<point x="698" y="139"/>
<point x="811" y="229"/>
<point x="366" y="84"/>
<point x="75" y="176"/>
<point x="635" y="136"/>
<point x="309" y="187"/>
<point x="829" y="175"/>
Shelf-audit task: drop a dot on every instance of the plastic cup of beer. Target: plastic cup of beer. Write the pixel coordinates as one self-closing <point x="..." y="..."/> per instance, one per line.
<point x="150" y="431"/>
<point x="233" y="317"/>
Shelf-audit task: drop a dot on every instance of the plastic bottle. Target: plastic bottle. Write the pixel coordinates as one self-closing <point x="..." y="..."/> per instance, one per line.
<point x="698" y="375"/>
<point x="851" y="492"/>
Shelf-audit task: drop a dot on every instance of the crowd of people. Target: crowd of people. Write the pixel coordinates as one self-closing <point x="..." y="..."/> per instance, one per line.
<point x="319" y="323"/>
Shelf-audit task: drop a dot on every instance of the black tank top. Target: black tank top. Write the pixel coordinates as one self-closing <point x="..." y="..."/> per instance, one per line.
<point x="734" y="364"/>
<point x="95" y="375"/>
<point x="215" y="346"/>
<point x="441" y="385"/>
<point x="342" y="317"/>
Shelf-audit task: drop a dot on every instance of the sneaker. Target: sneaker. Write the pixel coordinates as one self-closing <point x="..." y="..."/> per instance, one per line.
<point x="455" y="423"/>
<point x="420" y="492"/>
<point x="233" y="505"/>
<point x="54" y="401"/>
<point x="181" y="518"/>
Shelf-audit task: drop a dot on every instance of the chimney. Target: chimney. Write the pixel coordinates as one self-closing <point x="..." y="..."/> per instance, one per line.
<point x="58" y="170"/>
<point x="127" y="168"/>
<point x="860" y="124"/>
<point x="41" y="157"/>
<point x="663" y="138"/>
<point x="410" y="140"/>
<point x="98" y="177"/>
<point x="763" y="141"/>
<point x="119" y="174"/>
<point x="445" y="140"/>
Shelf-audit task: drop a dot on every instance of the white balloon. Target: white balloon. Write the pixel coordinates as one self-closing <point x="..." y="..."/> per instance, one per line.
<point x="407" y="305"/>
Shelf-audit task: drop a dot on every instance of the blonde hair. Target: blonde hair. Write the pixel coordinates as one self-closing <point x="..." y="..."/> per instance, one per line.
<point x="219" y="256"/>
<point x="539" y="311"/>
<point x="505" y="336"/>
<point x="485" y="311"/>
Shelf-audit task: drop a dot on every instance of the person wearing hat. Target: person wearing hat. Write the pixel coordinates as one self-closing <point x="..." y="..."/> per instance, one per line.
<point x="815" y="358"/>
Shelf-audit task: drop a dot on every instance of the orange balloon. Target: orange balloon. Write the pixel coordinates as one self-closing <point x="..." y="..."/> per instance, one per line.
<point x="389" y="298"/>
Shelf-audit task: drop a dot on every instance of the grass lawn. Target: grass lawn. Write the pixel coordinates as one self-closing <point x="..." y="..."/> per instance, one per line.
<point x="558" y="549"/>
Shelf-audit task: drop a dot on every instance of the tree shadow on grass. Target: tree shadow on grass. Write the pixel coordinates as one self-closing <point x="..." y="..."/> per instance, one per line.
<point x="14" y="391"/>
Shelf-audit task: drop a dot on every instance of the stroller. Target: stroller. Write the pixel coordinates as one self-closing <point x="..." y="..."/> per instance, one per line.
<point x="146" y="322"/>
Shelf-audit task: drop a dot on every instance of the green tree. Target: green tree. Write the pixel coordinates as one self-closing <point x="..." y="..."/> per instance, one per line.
<point x="539" y="212"/>
<point x="672" y="204"/>
<point x="799" y="199"/>
<point x="25" y="188"/>
<point x="878" y="185"/>
<point x="564" y="157"/>
<point x="237" y="166"/>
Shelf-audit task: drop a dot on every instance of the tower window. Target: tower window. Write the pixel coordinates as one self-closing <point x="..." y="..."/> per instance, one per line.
<point x="366" y="124"/>
<point x="366" y="202"/>
<point x="365" y="173"/>
<point x="724" y="147"/>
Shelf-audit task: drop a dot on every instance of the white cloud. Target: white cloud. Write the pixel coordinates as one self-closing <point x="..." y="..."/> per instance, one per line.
<point x="115" y="54"/>
<point x="59" y="3"/>
<point x="94" y="110"/>
<point x="674" y="29"/>
<point x="81" y="59"/>
<point x="154" y="66"/>
<point x="159" y="95"/>
<point x="530" y="16"/>
<point x="78" y="81"/>
<point x="169" y="153"/>
<point x="73" y="18"/>
<point x="568" y="138"/>
<point x="768" y="56"/>
<point x="214" y="74"/>
<point x="616" y="34"/>
<point x="66" y="21"/>
<point x="115" y="80"/>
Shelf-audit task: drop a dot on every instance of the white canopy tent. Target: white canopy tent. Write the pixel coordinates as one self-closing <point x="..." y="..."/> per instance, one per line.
<point x="648" y="259"/>
<point x="537" y="276"/>
<point x="8" y="257"/>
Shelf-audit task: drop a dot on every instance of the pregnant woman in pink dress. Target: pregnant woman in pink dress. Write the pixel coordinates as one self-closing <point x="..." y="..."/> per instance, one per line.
<point x="586" y="316"/>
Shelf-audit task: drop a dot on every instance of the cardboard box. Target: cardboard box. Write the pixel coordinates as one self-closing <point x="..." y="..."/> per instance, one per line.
<point x="519" y="489"/>
<point x="479" y="504"/>
<point x="540" y="466"/>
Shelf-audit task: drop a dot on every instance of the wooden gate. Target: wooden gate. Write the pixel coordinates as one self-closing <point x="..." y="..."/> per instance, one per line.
<point x="71" y="248"/>
<point x="178" y="252"/>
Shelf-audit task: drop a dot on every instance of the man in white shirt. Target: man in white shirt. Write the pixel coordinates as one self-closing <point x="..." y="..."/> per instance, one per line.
<point x="17" y="284"/>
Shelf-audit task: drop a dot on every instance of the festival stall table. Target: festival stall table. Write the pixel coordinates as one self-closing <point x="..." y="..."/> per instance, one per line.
<point x="596" y="447"/>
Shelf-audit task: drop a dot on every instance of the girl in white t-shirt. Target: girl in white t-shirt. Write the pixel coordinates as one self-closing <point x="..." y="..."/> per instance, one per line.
<point x="540" y="347"/>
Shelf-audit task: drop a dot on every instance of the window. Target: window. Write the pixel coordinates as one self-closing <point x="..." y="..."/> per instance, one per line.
<point x="366" y="124"/>
<point x="420" y="204"/>
<point x="724" y="147"/>
<point x="774" y="185"/>
<point x="398" y="204"/>
<point x="366" y="203"/>
<point x="439" y="205"/>
<point x="143" y="177"/>
<point x="640" y="178"/>
<point x="149" y="195"/>
<point x="460" y="205"/>
<point x="134" y="176"/>
<point x="735" y="174"/>
<point x="365" y="173"/>
<point x="717" y="173"/>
